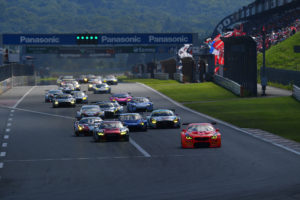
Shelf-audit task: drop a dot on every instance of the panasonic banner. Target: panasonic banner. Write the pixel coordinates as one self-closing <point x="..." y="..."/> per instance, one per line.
<point x="104" y="39"/>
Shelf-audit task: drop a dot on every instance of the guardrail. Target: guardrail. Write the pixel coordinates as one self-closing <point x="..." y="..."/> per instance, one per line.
<point x="178" y="77"/>
<point x="5" y="85"/>
<point x="161" y="76"/>
<point x="23" y="80"/>
<point x="296" y="92"/>
<point x="229" y="84"/>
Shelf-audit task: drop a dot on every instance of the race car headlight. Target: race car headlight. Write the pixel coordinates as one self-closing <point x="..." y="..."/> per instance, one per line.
<point x="114" y="99"/>
<point x="188" y="137"/>
<point x="142" y="123"/>
<point x="56" y="102"/>
<point x="90" y="85"/>
<point x="85" y="79"/>
<point x="100" y="133"/>
<point x="175" y="120"/>
<point x="80" y="128"/>
<point x="104" y="81"/>
<point x="73" y="101"/>
<point x="128" y="99"/>
<point x="115" y="80"/>
<point x="84" y="98"/>
<point x="106" y="88"/>
<point x="214" y="137"/>
<point x="77" y="86"/>
<point x="123" y="133"/>
<point x="153" y="121"/>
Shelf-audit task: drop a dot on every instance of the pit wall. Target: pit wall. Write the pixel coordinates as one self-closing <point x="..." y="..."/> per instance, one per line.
<point x="5" y="85"/>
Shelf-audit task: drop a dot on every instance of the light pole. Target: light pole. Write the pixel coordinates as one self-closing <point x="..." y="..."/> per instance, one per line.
<point x="263" y="68"/>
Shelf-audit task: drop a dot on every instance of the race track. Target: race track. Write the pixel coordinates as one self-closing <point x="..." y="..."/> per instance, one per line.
<point x="44" y="160"/>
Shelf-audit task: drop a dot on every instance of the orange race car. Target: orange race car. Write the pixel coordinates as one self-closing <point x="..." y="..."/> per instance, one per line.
<point x="200" y="135"/>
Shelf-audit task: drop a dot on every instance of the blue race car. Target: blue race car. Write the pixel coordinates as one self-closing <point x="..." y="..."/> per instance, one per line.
<point x="137" y="104"/>
<point x="134" y="121"/>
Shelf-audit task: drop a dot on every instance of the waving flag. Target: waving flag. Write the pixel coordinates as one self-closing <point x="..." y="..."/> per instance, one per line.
<point x="185" y="52"/>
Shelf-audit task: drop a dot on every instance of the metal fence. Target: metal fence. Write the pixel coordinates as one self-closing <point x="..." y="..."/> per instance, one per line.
<point x="7" y="71"/>
<point x="282" y="76"/>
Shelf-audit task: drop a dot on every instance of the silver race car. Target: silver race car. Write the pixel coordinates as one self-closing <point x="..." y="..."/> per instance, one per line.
<point x="51" y="94"/>
<point x="80" y="97"/>
<point x="110" y="80"/>
<point x="101" y="88"/>
<point x="90" y="111"/>
<point x="163" y="118"/>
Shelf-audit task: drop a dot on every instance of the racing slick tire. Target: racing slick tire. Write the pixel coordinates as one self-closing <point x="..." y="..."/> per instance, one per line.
<point x="76" y="133"/>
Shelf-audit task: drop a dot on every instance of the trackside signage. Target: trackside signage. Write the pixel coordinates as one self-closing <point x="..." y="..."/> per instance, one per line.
<point x="104" y="39"/>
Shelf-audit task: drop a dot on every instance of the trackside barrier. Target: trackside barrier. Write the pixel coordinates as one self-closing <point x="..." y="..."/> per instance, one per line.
<point x="296" y="92"/>
<point x="178" y="77"/>
<point x="5" y="85"/>
<point x="228" y="84"/>
<point x="23" y="80"/>
<point x="161" y="76"/>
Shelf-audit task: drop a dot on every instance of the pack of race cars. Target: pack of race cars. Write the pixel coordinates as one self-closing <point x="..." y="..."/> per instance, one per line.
<point x="106" y="120"/>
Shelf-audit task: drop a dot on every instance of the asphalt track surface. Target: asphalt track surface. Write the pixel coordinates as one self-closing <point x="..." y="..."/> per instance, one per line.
<point x="44" y="160"/>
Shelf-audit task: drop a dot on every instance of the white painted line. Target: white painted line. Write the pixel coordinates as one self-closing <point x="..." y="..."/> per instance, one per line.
<point x="9" y="119"/>
<point x="219" y="121"/>
<point x="7" y="130"/>
<point x="12" y="111"/>
<point x="2" y="154"/>
<point x="6" y="137"/>
<point x="1" y="165"/>
<point x="11" y="115"/>
<point x="138" y="147"/>
<point x="41" y="113"/>
<point x="20" y="100"/>
<point x="4" y="145"/>
<point x="8" y="124"/>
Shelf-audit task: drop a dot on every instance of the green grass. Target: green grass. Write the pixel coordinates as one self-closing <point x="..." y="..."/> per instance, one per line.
<point x="279" y="115"/>
<point x="282" y="55"/>
<point x="48" y="79"/>
<point x="188" y="92"/>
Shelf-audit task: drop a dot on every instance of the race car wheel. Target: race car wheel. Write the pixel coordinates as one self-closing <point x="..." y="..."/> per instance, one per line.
<point x="145" y="128"/>
<point x="76" y="133"/>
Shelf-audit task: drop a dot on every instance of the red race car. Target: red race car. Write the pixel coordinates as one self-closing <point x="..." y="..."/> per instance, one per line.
<point x="200" y="135"/>
<point x="111" y="130"/>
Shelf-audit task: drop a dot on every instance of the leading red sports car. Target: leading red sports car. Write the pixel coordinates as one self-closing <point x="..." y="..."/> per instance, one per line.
<point x="200" y="135"/>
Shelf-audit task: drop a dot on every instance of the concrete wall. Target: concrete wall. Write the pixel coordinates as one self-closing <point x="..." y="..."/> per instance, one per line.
<point x="296" y="92"/>
<point x="5" y="85"/>
<point x="228" y="84"/>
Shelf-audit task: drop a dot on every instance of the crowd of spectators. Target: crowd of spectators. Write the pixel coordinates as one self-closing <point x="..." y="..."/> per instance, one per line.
<point x="277" y="27"/>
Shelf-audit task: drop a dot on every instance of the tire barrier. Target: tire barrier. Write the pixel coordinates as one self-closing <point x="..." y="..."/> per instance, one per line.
<point x="178" y="77"/>
<point x="228" y="84"/>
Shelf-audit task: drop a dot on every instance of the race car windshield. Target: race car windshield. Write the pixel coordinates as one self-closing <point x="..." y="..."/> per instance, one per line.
<point x="130" y="117"/>
<point x="140" y="100"/>
<point x="163" y="113"/>
<point x="90" y="109"/>
<point x="106" y="105"/>
<point x="79" y="94"/>
<point x="121" y="95"/>
<point x="111" y="125"/>
<point x="110" y="77"/>
<point x="200" y="128"/>
<point x="55" y="92"/>
<point x="100" y="85"/>
<point x="63" y="96"/>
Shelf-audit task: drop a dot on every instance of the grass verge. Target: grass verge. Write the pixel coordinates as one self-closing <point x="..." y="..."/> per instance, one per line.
<point x="278" y="115"/>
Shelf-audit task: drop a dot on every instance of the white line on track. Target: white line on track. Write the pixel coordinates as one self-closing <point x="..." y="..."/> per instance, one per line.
<point x="11" y="115"/>
<point x="1" y="165"/>
<point x="8" y="124"/>
<point x="41" y="113"/>
<point x="219" y="121"/>
<point x="12" y="111"/>
<point x="138" y="147"/>
<point x="20" y="100"/>
<point x="10" y="119"/>
<point x="6" y="137"/>
<point x="4" y="145"/>
<point x="7" y="130"/>
<point x="2" y="154"/>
